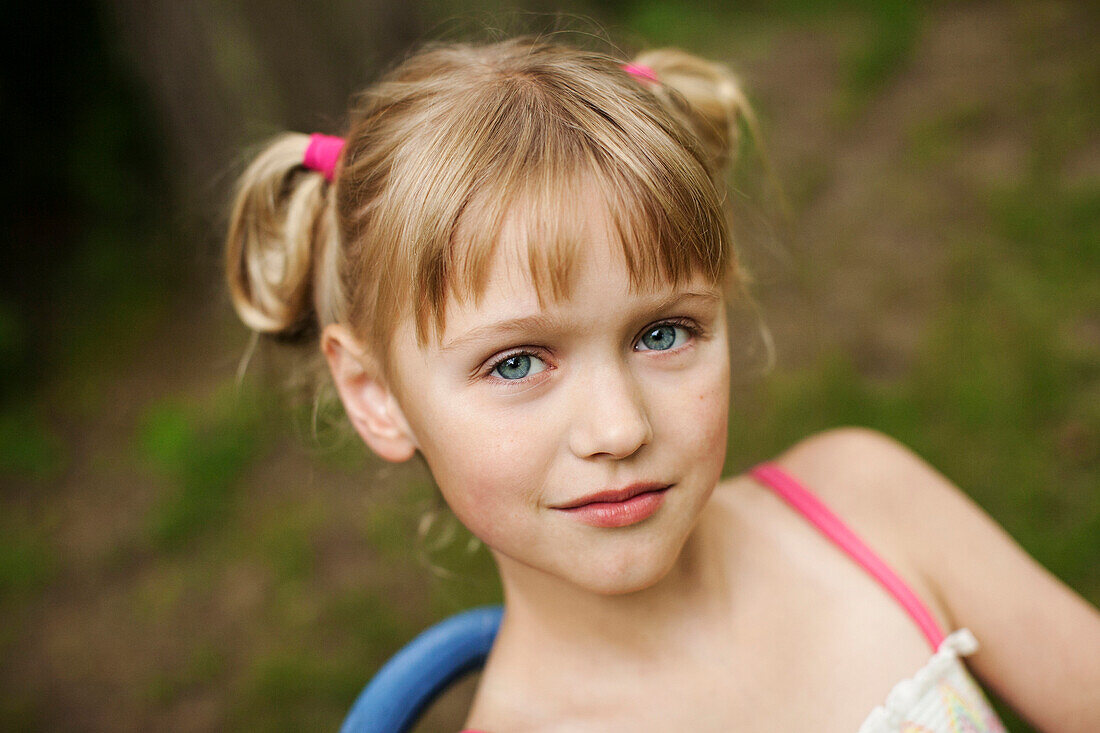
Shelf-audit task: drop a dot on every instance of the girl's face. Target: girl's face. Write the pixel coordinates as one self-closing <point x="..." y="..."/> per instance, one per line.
<point x="578" y="438"/>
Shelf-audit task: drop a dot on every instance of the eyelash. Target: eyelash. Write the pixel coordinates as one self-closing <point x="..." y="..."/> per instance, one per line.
<point x="523" y="351"/>
<point x="688" y="324"/>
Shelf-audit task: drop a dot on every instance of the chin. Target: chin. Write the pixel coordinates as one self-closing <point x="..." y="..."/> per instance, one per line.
<point x="624" y="586"/>
<point x="629" y="573"/>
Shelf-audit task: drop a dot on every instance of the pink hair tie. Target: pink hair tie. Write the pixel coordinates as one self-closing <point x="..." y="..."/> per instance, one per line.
<point x="322" y="154"/>
<point x="641" y="71"/>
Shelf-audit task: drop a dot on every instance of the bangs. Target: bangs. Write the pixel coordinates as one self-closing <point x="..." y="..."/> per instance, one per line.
<point x="533" y="150"/>
<point x="547" y="218"/>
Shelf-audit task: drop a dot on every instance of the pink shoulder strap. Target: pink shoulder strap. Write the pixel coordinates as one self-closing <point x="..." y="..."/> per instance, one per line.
<point x="809" y="506"/>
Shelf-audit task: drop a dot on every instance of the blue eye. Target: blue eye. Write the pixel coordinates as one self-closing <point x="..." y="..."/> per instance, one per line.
<point x="518" y="366"/>
<point x="662" y="337"/>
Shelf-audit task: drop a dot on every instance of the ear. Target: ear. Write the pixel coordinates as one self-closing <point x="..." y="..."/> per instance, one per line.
<point x="369" y="403"/>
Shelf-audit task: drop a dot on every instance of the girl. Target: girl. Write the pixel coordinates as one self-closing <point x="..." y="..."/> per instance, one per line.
<point x="518" y="266"/>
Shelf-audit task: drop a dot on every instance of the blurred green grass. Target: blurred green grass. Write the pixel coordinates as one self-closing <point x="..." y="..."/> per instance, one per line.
<point x="201" y="449"/>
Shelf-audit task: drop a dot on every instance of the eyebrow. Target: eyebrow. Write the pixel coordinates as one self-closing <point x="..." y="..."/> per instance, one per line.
<point x="541" y="323"/>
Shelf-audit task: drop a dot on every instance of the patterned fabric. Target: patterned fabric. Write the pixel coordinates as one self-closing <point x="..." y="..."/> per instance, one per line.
<point x="941" y="698"/>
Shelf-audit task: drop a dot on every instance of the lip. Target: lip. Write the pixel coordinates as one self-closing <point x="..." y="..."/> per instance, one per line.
<point x="617" y="507"/>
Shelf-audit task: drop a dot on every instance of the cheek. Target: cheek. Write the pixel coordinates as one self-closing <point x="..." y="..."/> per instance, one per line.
<point x="713" y="419"/>
<point x="481" y="444"/>
<point x="488" y="465"/>
<point x="702" y="415"/>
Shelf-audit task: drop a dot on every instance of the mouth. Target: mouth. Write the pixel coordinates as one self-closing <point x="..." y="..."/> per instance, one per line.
<point x="617" y="507"/>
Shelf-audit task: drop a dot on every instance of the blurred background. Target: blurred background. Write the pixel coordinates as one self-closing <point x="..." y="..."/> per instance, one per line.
<point x="180" y="551"/>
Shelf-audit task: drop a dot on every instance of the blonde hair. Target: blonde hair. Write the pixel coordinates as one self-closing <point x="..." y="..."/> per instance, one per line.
<point x="456" y="140"/>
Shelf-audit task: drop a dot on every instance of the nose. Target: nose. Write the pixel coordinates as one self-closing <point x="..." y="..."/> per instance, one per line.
<point x="609" y="417"/>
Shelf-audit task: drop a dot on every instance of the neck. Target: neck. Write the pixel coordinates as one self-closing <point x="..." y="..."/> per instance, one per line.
<point x="543" y="610"/>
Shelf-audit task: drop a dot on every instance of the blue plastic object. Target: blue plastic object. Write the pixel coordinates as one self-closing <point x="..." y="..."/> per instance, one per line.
<point x="424" y="667"/>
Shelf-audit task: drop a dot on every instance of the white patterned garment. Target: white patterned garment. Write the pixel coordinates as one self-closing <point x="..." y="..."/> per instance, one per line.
<point x="940" y="698"/>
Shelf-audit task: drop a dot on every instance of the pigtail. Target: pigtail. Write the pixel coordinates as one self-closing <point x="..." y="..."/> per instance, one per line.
<point x="706" y="97"/>
<point x="282" y="251"/>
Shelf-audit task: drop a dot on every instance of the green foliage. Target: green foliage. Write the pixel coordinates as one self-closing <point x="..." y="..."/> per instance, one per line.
<point x="881" y="35"/>
<point x="417" y="524"/>
<point x="686" y="24"/>
<point x="465" y="574"/>
<point x="296" y="687"/>
<point x="1054" y="230"/>
<point x="286" y="539"/>
<point x="205" y="665"/>
<point x="28" y="447"/>
<point x="373" y="624"/>
<point x="933" y="140"/>
<point x="28" y="560"/>
<point x="293" y="691"/>
<point x="886" y="46"/>
<point x="201" y="450"/>
<point x="118" y="311"/>
<point x="390" y="523"/>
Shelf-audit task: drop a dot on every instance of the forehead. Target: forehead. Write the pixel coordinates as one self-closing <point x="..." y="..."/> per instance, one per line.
<point x="601" y="288"/>
<point x="540" y="247"/>
<point x="537" y="268"/>
<point x="542" y="253"/>
<point x="534" y="243"/>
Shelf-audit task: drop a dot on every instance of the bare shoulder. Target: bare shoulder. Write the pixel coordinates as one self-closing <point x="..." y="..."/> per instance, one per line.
<point x="1039" y="638"/>
<point x="875" y="482"/>
<point x="858" y="457"/>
